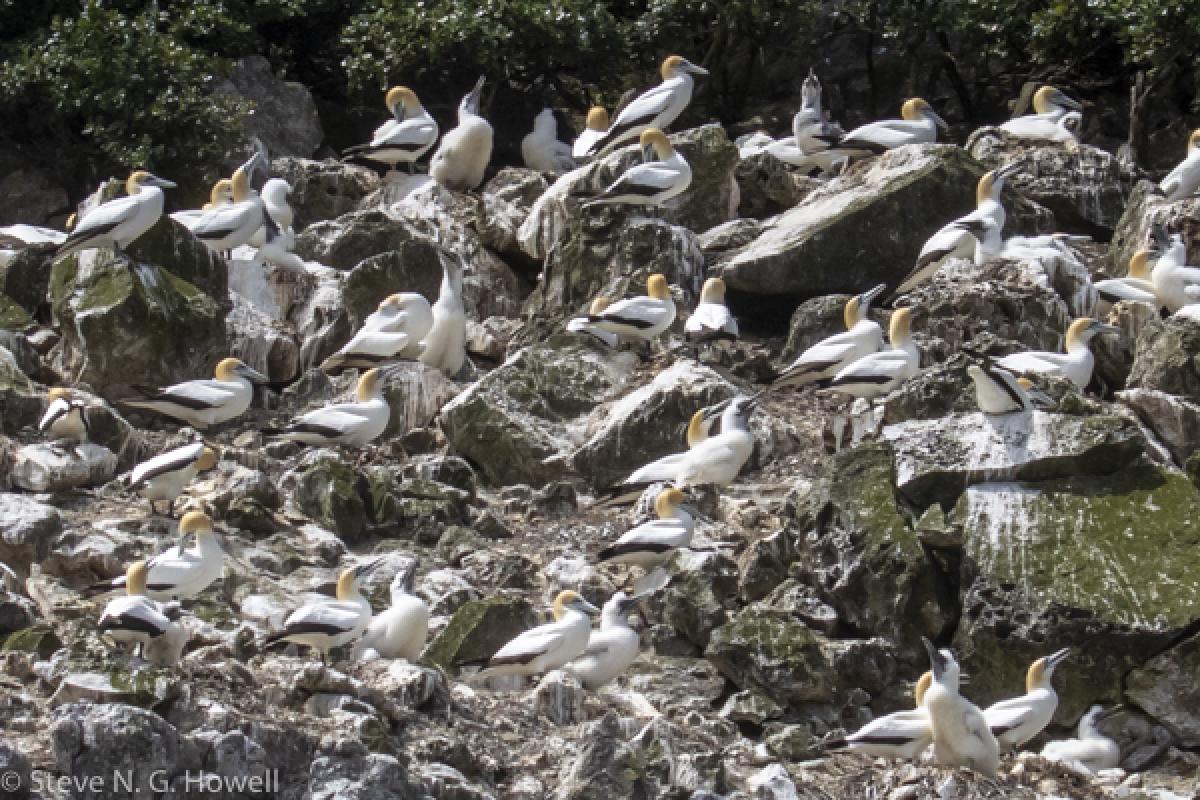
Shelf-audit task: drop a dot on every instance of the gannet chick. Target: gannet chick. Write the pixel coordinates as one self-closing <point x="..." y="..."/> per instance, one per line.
<point x="1017" y="720"/>
<point x="546" y="647"/>
<point x="1136" y="287"/>
<point x="134" y="618"/>
<point x="611" y="649"/>
<point x="811" y="131"/>
<point x="404" y="138"/>
<point x="1076" y="365"/>
<point x="202" y="403"/>
<point x="830" y="355"/>
<point x="903" y="734"/>
<point x="718" y="459"/>
<point x="541" y="149"/>
<point x="64" y="417"/>
<point x="581" y="324"/>
<point x="639" y="318"/>
<point x="1092" y="751"/>
<point x="1184" y="180"/>
<point x="120" y="221"/>
<point x="220" y="195"/>
<point x="393" y="331"/>
<point x="998" y="391"/>
<point x="226" y="227"/>
<point x="327" y="624"/>
<point x="465" y="151"/>
<point x="357" y="423"/>
<point x="275" y="193"/>
<point x="445" y="345"/>
<point x="918" y="125"/>
<point x="1175" y="284"/>
<point x="400" y="631"/>
<point x="961" y="737"/>
<point x="1050" y="105"/>
<point x="653" y="182"/>
<point x="165" y="476"/>
<point x="655" y="108"/>
<point x="712" y="319"/>
<point x="649" y="544"/>
<point x="879" y="373"/>
<point x="179" y="573"/>
<point x="596" y="127"/>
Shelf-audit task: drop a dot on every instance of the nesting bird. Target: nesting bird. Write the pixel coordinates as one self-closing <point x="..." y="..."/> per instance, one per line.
<point x="717" y="459"/>
<point x="998" y="391"/>
<point x="1017" y="720"/>
<point x="546" y="647"/>
<point x="135" y="618"/>
<point x="179" y="573"/>
<point x="401" y="630"/>
<point x="228" y="226"/>
<point x="65" y="417"/>
<point x="712" y="320"/>
<point x="918" y="124"/>
<point x="404" y="138"/>
<point x="1050" y="105"/>
<point x="961" y="736"/>
<point x="649" y="544"/>
<point x="655" y="108"/>
<point x="1175" y="284"/>
<point x="1184" y="180"/>
<point x="1092" y="751"/>
<point x="877" y="374"/>
<point x="638" y="318"/>
<point x="541" y="149"/>
<point x="202" y="403"/>
<point x="1075" y="365"/>
<point x="1136" y="287"/>
<point x="220" y="195"/>
<point x="829" y="356"/>
<point x="120" y="221"/>
<point x="653" y="182"/>
<point x="595" y="126"/>
<point x="394" y="330"/>
<point x="165" y="476"/>
<point x="581" y="324"/>
<point x="327" y="624"/>
<point x="445" y="344"/>
<point x="463" y="155"/>
<point x="357" y="423"/>
<point x="611" y="649"/>
<point x="903" y="734"/>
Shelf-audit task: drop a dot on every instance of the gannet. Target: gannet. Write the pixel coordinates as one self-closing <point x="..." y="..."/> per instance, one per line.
<point x="464" y="152"/>
<point x="650" y="543"/>
<point x="1175" y="284"/>
<point x="1017" y="720"/>
<point x="134" y="618"/>
<point x="545" y="647"/>
<point x="653" y="182"/>
<point x="998" y="391"/>
<point x="357" y="423"/>
<point x="541" y="149"/>
<point x="639" y="318"/>
<point x="1092" y="751"/>
<point x="1049" y="107"/>
<point x="611" y="649"/>
<point x="1184" y="180"/>
<point x="655" y="108"/>
<point x="1075" y="365"/>
<point x="961" y="737"/>
<point x="877" y="374"/>
<point x="445" y="345"/>
<point x="811" y="132"/>
<point x="1068" y="128"/>
<point x="202" y="403"/>
<point x="718" y="459"/>
<point x="918" y="125"/>
<point x="596" y="127"/>
<point x="226" y="227"/>
<point x="393" y="331"/>
<point x="833" y="353"/>
<point x="712" y="319"/>
<point x="221" y="195"/>
<point x="1136" y="287"/>
<point x="404" y="138"/>
<point x="64" y="416"/>
<point x="165" y="476"/>
<point x="704" y="423"/>
<point x="275" y="193"/>
<point x="179" y="573"/>
<point x="327" y="624"/>
<point x="581" y="324"/>
<point x="903" y="734"/>
<point x="400" y="631"/>
<point x="120" y="221"/>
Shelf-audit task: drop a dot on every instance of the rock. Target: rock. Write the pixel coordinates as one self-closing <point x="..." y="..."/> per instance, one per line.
<point x="27" y="528"/>
<point x="12" y="316"/>
<point x="284" y="115"/>
<point x="114" y="739"/>
<point x="323" y="190"/>
<point x="559" y="697"/>
<point x="505" y="202"/>
<point x="27" y="194"/>
<point x="1176" y="422"/>
<point x="370" y="776"/>
<point x="412" y="507"/>
<point x="1146" y="207"/>
<point x="171" y="247"/>
<point x="773" y="653"/>
<point x="812" y="321"/>
<point x="728" y="236"/>
<point x="37" y="640"/>
<point x="478" y="629"/>
<point x="345" y="241"/>
<point x="16" y="612"/>
<point x="332" y="493"/>
<point x="260" y="342"/>
<point x="773" y="783"/>
<point x="21" y="403"/>
<point x="696" y="601"/>
<point x="803" y="603"/>
<point x="766" y="186"/>
<point x="605" y="767"/>
<point x="18" y="773"/>
<point x="47" y="468"/>
<point x="1166" y="358"/>
<point x="415" y="394"/>
<point x="25" y="279"/>
<point x="1165" y="688"/>
<point x="24" y="355"/>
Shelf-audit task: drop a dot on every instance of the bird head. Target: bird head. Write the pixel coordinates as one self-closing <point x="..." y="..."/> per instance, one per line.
<point x="1139" y="265"/>
<point x="654" y="140"/>
<point x="368" y="385"/>
<point x="1049" y="98"/>
<point x="58" y="393"/>
<point x="241" y="184"/>
<point x="230" y="369"/>
<point x="399" y="100"/>
<point x="1084" y="329"/>
<point x="597" y="118"/>
<point x="857" y="306"/>
<point x="1042" y="669"/>
<point x="195" y="521"/>
<point x="207" y="460"/>
<point x="668" y="502"/>
<point x="135" y="578"/>
<point x="942" y="664"/>
<point x="992" y="182"/>
<point x="713" y="291"/>
<point x="571" y="601"/>
<point x="470" y="101"/>
<point x="900" y="326"/>
<point x="674" y="65"/>
<point x="141" y="178"/>
<point x="918" y="108"/>
<point x="222" y="192"/>
<point x="656" y="287"/>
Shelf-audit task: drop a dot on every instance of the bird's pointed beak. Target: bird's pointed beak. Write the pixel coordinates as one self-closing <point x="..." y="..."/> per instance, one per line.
<point x="161" y="183"/>
<point x="1069" y="102"/>
<point x="937" y="120"/>
<point x="588" y="607"/>
<point x="1057" y="657"/>
<point x="367" y="567"/>
<point x="871" y="294"/>
<point x="936" y="662"/>
<point x="252" y="375"/>
<point x="694" y="69"/>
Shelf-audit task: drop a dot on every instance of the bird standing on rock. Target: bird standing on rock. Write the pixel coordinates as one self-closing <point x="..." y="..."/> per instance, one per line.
<point x="404" y="138"/>
<point x="461" y="158"/>
<point x="165" y="476"/>
<point x="202" y="403"/>
<point x="134" y="618"/>
<point x="120" y="221"/>
<point x="1017" y="720"/>
<point x="712" y="320"/>
<point x="546" y="647"/>
<point x="655" y="108"/>
<point x="357" y="423"/>
<point x="903" y="734"/>
<point x="961" y="736"/>
<point x="327" y="624"/>
<point x="653" y="182"/>
<point x="639" y="318"/>
<point x="65" y="416"/>
<point x="829" y="356"/>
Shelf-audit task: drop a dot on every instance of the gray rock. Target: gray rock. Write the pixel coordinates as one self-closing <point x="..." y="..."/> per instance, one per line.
<point x="262" y="343"/>
<point x="21" y="403"/>
<point x="332" y="493"/>
<point x="25" y="279"/>
<point x="323" y="190"/>
<point x="27" y="194"/>
<point x="480" y="628"/>
<point x="505" y="202"/>
<point x="699" y="596"/>
<point x="16" y="613"/>
<point x="284" y="115"/>
<point x="605" y="767"/>
<point x="110" y="739"/>
<point x="773" y="783"/>
<point x="17" y="771"/>
<point x="1165" y="359"/>
<point x="728" y="236"/>
<point x="559" y="697"/>
<point x="1175" y="421"/>
<point x="48" y="468"/>
<point x="24" y="355"/>
<point x="766" y="186"/>
<point x="1166" y="689"/>
<point x="27" y="528"/>
<point x="415" y="393"/>
<point x="369" y="776"/>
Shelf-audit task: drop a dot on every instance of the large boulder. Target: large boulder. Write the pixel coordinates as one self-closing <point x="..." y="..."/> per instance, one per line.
<point x="479" y="628"/>
<point x="1175" y="421"/>
<point x="324" y="190"/>
<point x="27" y="529"/>
<point x="25" y="279"/>
<point x="284" y="115"/>
<point x="49" y="468"/>
<point x="110" y="739"/>
<point x="1167" y="358"/>
<point x="333" y="493"/>
<point x="1166" y="688"/>
<point x="767" y="186"/>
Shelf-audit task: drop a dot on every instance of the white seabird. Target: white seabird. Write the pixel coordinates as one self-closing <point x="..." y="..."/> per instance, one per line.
<point x="1017" y="720"/>
<point x="712" y="319"/>
<point x="165" y="476"/>
<point x="653" y="182"/>
<point x="718" y="459"/>
<point x="1184" y="180"/>
<point x="546" y="647"/>
<point x="393" y="331"/>
<point x="1092" y="751"/>
<point x="832" y="354"/>
<point x="655" y="108"/>
<point x="961" y="737"/>
<point x="919" y="124"/>
<point x="611" y="649"/>
<point x="445" y="345"/>
<point x="404" y="138"/>
<point x="202" y="403"/>
<point x="221" y="195"/>
<point x="1050" y="105"/>
<point x="1176" y="284"/>
<point x="134" y="618"/>
<point x="357" y="423"/>
<point x="1135" y="287"/>
<point x="228" y="226"/>
<point x="64" y="416"/>
<point x="649" y="544"/>
<point x="275" y="193"/>
<point x="639" y="318"/>
<point x="998" y="391"/>
<point x="813" y="136"/>
<point x="1075" y="365"/>
<point x="903" y="734"/>
<point x="400" y="631"/>
<point x="327" y="624"/>
<point x="464" y="152"/>
<point x="121" y="220"/>
<point x="596" y="125"/>
<point x="541" y="149"/>
<point x="178" y="574"/>
<point x="581" y="324"/>
<point x="879" y="373"/>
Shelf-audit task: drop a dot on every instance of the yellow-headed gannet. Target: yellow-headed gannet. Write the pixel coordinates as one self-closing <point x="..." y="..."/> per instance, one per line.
<point x="702" y="423"/>
<point x="1017" y="720"/>
<point x="134" y="618"/>
<point x="655" y="108"/>
<point x="464" y="152"/>
<point x="653" y="182"/>
<point x="649" y="544"/>
<point x="393" y="331"/>
<point x="1184" y="180"/>
<point x="179" y="573"/>
<point x="830" y="355"/>
<point x="918" y="125"/>
<point x="718" y="459"/>
<point x="596" y="126"/>
<point x="712" y="319"/>
<point x="202" y="403"/>
<point x="226" y="227"/>
<point x="1050" y="105"/>
<point x="998" y="391"/>
<point x="611" y="649"/>
<point x="400" y="631"/>
<point x="541" y="149"/>
<point x="546" y="647"/>
<point x="961" y="737"/>
<point x="903" y="734"/>
<point x="64" y="417"/>
<point x="121" y="220"/>
<point x="165" y="476"/>
<point x="445" y="345"/>
<point x="1136" y="287"/>
<point x="1176" y="284"/>
<point x="879" y="373"/>
<point x="1068" y="129"/>
<point x="581" y="324"/>
<point x="1092" y="751"/>
<point x="1075" y="365"/>
<point x="404" y="138"/>
<point x="327" y="624"/>
<point x="357" y="423"/>
<point x="639" y="318"/>
<point x="221" y="195"/>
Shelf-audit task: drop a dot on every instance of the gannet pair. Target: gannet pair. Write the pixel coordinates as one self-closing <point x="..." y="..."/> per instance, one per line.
<point x="120" y="221"/>
<point x="1017" y="720"/>
<point x="202" y="403"/>
<point x="877" y="374"/>
<point x="357" y="423"/>
<point x="581" y="324"/>
<point x="712" y="319"/>
<point x="165" y="476"/>
<point x="961" y="736"/>
<point x="445" y="344"/>
<point x="611" y="649"/>
<point x="1075" y="365"/>
<point x="1184" y="180"/>
<point x="918" y="124"/>
<point x="1050" y="107"/>
<point x="1136" y="287"/>
<point x="1092" y="751"/>
<point x="903" y="734"/>
<point x="541" y="149"/>
<point x="656" y="108"/>
<point x="327" y="624"/>
<point x="546" y="647"/>
<point x="232" y="225"/>
<point x="178" y="573"/>
<point x="65" y="416"/>
<point x="653" y="182"/>
<point x="595" y="126"/>
<point x="1175" y="284"/>
<point x="832" y="354"/>
<point x="717" y="459"/>
<point x="135" y="619"/>
<point x="404" y="138"/>
<point x="638" y="318"/>
<point x="649" y="544"/>
<point x="395" y="330"/>
<point x="400" y="631"/>
<point x="463" y="155"/>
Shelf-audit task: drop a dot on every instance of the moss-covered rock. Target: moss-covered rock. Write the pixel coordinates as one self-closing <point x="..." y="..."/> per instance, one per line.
<point x="172" y="247"/>
<point x="37" y="639"/>
<point x="332" y="493"/>
<point x="346" y="241"/>
<point x="702" y="589"/>
<point x="412" y="266"/>
<point x="26" y="277"/>
<point x="412" y="507"/>
<point x="478" y="629"/>
<point x="21" y="404"/>
<point x="1167" y="357"/>
<point x="12" y="316"/>
<point x="773" y="653"/>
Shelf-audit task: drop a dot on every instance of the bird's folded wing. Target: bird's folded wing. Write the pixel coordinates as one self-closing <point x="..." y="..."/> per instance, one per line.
<point x="167" y="462"/>
<point x="528" y="646"/>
